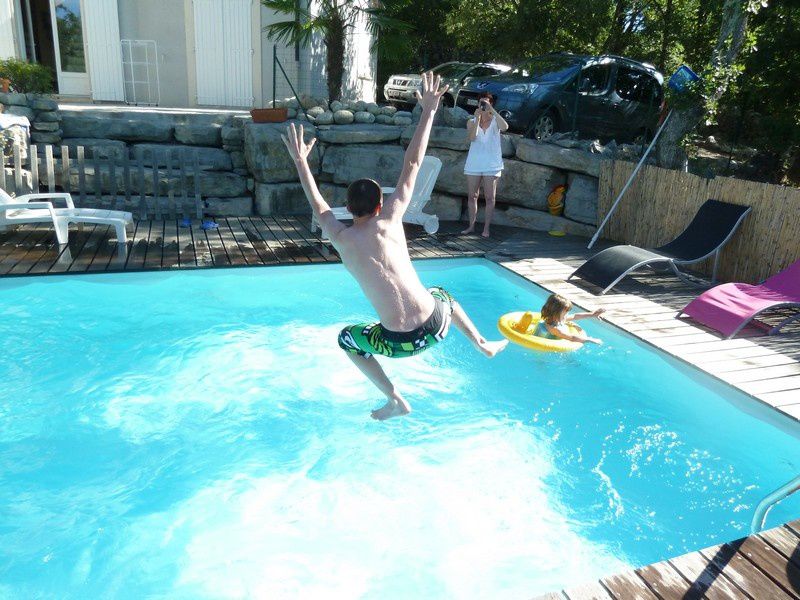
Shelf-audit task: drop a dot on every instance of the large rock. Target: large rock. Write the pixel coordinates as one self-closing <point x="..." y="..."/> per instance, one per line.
<point x="315" y="111"/>
<point x="343" y="117"/>
<point x="48" y="117"/>
<point x="213" y="159"/>
<point x="384" y="119"/>
<point x="521" y="183"/>
<point x="324" y="118"/>
<point x="46" y="137"/>
<point x="281" y="199"/>
<point x="266" y="155"/>
<point x="389" y="111"/>
<point x="364" y="117"/>
<point x="39" y="103"/>
<point x="566" y="159"/>
<point x="455" y="139"/>
<point x="229" y="207"/>
<point x="373" y="108"/>
<point x="92" y="147"/>
<point x="20" y="111"/>
<point x="358" y="134"/>
<point x="126" y="126"/>
<point x="45" y="126"/>
<point x="13" y="98"/>
<point x="232" y="136"/>
<point x="346" y="163"/>
<point x="199" y="134"/>
<point x="580" y="202"/>
<point x="454" y="117"/>
<point x="444" y="206"/>
<point x="537" y="220"/>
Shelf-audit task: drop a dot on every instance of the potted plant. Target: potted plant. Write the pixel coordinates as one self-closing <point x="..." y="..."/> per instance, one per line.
<point x="269" y="115"/>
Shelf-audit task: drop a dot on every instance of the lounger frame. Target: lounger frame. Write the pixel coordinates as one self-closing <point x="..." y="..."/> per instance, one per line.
<point x="674" y="262"/>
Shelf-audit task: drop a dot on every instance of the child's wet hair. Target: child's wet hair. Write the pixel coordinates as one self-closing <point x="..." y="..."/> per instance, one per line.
<point x="363" y="197"/>
<point x="554" y="307"/>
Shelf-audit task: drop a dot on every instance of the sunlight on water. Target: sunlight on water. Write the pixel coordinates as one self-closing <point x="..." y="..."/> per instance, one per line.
<point x="201" y="435"/>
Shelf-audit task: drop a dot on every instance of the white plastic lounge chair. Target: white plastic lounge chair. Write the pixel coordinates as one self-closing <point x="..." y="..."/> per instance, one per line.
<point x="423" y="188"/>
<point x="38" y="208"/>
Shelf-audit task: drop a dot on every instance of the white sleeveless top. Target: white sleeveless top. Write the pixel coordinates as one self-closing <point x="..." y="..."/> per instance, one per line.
<point x="485" y="152"/>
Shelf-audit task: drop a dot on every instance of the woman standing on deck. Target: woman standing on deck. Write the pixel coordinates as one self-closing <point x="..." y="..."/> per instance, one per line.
<point x="484" y="160"/>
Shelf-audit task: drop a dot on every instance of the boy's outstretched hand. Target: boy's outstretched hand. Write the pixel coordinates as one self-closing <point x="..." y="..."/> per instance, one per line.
<point x="297" y="147"/>
<point x="429" y="99"/>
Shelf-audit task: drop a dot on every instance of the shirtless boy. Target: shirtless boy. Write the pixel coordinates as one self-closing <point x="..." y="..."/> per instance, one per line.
<point x="375" y="252"/>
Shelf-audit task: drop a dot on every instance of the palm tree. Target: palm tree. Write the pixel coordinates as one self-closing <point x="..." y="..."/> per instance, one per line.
<point x="332" y="19"/>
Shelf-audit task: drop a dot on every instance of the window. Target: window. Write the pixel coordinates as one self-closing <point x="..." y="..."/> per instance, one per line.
<point x="637" y="86"/>
<point x="594" y="79"/>
<point x="483" y="72"/>
<point x="450" y="69"/>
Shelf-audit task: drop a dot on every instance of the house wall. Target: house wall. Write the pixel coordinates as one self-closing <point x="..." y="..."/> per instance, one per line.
<point x="165" y="22"/>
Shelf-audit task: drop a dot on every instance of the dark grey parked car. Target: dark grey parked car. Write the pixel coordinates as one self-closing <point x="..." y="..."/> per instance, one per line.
<point x="606" y="96"/>
<point x="399" y="90"/>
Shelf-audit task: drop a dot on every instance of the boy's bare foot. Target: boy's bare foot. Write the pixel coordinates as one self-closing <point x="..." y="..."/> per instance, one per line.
<point x="491" y="349"/>
<point x="394" y="407"/>
<point x="485" y="234"/>
<point x="470" y="229"/>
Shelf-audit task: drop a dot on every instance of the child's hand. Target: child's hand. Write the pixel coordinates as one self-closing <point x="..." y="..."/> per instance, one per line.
<point x="597" y="341"/>
<point x="598" y="313"/>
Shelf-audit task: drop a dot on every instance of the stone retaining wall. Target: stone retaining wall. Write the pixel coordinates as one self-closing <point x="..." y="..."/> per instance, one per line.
<point x="347" y="152"/>
<point x="246" y="169"/>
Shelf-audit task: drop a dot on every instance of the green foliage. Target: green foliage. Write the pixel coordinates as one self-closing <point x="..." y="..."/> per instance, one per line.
<point x="331" y="20"/>
<point x="27" y="77"/>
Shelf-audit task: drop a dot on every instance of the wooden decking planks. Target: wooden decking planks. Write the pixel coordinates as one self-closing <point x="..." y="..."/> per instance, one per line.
<point x="166" y="244"/>
<point x="763" y="566"/>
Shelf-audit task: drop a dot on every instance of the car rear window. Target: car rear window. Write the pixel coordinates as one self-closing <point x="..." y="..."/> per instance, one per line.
<point x="542" y="65"/>
<point x="450" y="69"/>
<point x="637" y="86"/>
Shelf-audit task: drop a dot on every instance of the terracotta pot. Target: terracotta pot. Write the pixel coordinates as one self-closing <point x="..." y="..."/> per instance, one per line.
<point x="269" y="115"/>
<point x="5" y="85"/>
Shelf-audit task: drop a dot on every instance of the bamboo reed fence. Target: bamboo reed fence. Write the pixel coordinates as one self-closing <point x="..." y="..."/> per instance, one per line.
<point x="661" y="202"/>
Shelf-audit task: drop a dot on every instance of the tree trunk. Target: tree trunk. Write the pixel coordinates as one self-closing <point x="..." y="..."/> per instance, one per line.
<point x="668" y="151"/>
<point x="666" y="25"/>
<point x="334" y="59"/>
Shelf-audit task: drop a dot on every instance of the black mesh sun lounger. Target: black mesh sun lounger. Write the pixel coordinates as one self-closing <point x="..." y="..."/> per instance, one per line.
<point x="709" y="231"/>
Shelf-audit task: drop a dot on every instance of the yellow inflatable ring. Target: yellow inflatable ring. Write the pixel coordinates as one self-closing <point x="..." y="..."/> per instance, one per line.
<point x="511" y="326"/>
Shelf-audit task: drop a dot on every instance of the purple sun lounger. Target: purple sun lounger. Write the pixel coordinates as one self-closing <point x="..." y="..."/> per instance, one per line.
<point x="730" y="306"/>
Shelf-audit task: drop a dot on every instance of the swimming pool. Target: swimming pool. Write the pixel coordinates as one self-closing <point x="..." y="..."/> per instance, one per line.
<point x="201" y="435"/>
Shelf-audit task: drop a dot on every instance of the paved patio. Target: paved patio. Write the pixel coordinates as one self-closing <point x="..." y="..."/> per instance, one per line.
<point x="765" y="367"/>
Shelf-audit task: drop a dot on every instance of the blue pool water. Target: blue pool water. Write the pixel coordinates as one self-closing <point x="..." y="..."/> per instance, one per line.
<point x="201" y="435"/>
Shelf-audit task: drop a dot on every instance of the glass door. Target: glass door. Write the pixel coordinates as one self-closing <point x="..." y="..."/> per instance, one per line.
<point x="73" y="78"/>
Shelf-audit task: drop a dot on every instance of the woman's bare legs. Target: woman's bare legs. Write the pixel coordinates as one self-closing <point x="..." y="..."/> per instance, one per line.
<point x="467" y="327"/>
<point x="489" y="192"/>
<point x="473" y="190"/>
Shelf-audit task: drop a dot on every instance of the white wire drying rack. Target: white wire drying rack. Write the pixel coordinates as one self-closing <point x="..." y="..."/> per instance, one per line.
<point x="140" y="72"/>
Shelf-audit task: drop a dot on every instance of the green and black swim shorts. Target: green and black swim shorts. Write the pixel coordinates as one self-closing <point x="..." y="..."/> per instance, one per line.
<point x="366" y="339"/>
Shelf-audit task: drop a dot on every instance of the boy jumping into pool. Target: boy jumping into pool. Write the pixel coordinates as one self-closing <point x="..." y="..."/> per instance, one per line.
<point x="374" y="250"/>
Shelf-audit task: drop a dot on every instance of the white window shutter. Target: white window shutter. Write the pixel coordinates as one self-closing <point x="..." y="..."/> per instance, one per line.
<point x="223" y="52"/>
<point x="103" y="49"/>
<point x="7" y="29"/>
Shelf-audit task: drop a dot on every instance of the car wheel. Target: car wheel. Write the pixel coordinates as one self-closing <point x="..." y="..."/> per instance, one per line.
<point x="448" y="101"/>
<point x="544" y="126"/>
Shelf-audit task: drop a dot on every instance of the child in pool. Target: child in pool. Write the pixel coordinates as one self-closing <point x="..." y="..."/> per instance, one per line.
<point x="555" y="317"/>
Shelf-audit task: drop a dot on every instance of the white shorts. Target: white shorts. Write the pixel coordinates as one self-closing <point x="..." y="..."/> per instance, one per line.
<point x="484" y="173"/>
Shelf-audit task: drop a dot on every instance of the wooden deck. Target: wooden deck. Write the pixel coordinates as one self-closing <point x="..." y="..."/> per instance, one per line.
<point x="766" y="367"/>
<point x="761" y="567"/>
<point x="245" y="241"/>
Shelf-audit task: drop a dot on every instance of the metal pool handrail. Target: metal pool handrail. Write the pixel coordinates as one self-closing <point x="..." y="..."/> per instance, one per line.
<point x="770" y="500"/>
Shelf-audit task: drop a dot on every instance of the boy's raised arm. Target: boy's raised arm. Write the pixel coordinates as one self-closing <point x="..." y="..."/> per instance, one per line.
<point x="429" y="100"/>
<point x="299" y="152"/>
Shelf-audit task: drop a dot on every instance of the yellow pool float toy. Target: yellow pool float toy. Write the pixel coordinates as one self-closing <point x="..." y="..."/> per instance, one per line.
<point x="519" y="327"/>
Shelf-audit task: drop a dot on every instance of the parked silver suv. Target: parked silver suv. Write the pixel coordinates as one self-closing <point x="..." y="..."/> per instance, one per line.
<point x="399" y="90"/>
